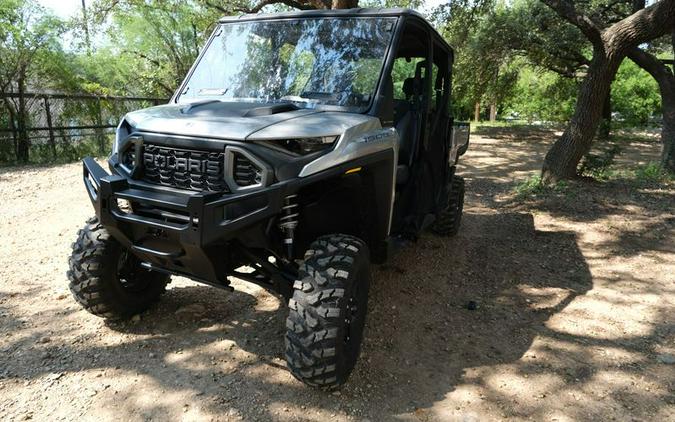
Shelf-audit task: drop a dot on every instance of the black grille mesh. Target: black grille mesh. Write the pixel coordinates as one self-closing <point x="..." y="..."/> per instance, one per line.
<point x="246" y="173"/>
<point x="184" y="169"/>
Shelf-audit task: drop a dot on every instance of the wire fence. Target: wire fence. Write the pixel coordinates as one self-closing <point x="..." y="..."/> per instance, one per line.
<point x="60" y="127"/>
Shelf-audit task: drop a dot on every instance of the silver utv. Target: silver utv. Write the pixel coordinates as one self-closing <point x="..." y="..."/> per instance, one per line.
<point x="304" y="146"/>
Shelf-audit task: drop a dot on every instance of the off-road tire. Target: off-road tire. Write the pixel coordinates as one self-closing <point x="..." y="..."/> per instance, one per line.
<point x="328" y="311"/>
<point x="95" y="279"/>
<point x="448" y="221"/>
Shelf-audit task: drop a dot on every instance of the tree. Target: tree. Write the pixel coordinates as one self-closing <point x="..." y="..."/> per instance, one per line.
<point x="479" y="31"/>
<point x="29" y="42"/>
<point x="547" y="42"/>
<point x="159" y="39"/>
<point x="610" y="46"/>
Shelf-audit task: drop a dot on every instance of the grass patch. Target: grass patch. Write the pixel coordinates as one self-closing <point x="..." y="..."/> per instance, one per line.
<point x="533" y="187"/>
<point x="650" y="174"/>
<point x="645" y="176"/>
<point x="598" y="165"/>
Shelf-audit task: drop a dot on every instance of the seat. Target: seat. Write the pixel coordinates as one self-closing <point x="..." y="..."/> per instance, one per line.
<point x="406" y="121"/>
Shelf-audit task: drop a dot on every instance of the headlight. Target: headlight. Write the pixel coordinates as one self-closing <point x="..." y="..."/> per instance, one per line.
<point x="304" y="146"/>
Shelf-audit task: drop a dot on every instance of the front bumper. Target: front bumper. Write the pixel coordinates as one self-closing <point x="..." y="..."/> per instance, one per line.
<point x="186" y="232"/>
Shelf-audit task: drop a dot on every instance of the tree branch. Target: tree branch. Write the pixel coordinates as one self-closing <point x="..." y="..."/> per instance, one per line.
<point x="566" y="10"/>
<point x="642" y="26"/>
<point x="650" y="63"/>
<point x="143" y="56"/>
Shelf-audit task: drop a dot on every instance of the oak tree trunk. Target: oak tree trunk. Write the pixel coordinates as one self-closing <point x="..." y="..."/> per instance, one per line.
<point x="476" y="112"/>
<point x="606" y="123"/>
<point x="493" y="112"/>
<point x="562" y="159"/>
<point x="668" y="130"/>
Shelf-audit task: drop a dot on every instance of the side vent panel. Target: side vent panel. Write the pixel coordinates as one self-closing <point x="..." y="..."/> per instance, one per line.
<point x="244" y="170"/>
<point x="246" y="173"/>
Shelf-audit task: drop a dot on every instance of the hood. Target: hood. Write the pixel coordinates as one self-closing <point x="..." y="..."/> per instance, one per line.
<point x="241" y="121"/>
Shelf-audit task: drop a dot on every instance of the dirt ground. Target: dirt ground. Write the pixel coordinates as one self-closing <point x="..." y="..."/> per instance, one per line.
<point x="575" y="316"/>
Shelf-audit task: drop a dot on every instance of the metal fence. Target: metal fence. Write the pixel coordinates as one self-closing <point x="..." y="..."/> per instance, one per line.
<point x="63" y="127"/>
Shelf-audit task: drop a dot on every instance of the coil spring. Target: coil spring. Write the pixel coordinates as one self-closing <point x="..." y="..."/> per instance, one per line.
<point x="289" y="218"/>
<point x="288" y="222"/>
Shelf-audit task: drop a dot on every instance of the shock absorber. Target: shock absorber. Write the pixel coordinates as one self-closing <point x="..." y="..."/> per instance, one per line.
<point x="289" y="221"/>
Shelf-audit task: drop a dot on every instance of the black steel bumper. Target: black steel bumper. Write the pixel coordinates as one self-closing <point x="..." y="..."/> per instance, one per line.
<point x="186" y="233"/>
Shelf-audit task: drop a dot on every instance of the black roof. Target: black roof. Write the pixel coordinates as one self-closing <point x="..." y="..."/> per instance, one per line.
<point x="318" y="13"/>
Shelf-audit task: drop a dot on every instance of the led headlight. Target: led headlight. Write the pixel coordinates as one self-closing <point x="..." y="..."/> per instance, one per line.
<point x="304" y="146"/>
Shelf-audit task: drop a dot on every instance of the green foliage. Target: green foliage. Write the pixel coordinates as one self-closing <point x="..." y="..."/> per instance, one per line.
<point x="541" y="95"/>
<point x="546" y="41"/>
<point x="648" y="175"/>
<point x="30" y="46"/>
<point x="597" y="165"/>
<point x="635" y="95"/>
<point x="533" y="187"/>
<point x="517" y="54"/>
<point x="530" y="186"/>
<point x="155" y="40"/>
<point x="652" y="174"/>
<point x="483" y="69"/>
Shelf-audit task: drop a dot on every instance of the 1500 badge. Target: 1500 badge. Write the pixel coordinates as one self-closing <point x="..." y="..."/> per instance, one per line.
<point x="378" y="136"/>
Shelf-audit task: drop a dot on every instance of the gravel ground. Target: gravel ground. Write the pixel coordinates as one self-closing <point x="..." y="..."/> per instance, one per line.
<point x="574" y="317"/>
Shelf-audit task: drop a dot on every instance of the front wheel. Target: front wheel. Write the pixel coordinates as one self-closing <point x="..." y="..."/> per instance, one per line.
<point x="106" y="279"/>
<point x="328" y="311"/>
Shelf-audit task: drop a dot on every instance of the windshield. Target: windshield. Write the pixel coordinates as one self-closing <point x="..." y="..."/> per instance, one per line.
<point x="332" y="62"/>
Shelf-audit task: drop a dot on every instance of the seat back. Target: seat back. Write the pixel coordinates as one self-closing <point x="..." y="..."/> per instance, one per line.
<point x="407" y="121"/>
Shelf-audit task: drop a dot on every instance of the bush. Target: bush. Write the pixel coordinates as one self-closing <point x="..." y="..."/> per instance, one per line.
<point x="533" y="186"/>
<point x="652" y="174"/>
<point x="597" y="166"/>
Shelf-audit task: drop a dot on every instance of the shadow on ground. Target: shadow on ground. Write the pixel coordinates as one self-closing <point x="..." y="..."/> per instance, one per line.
<point x="420" y="339"/>
<point x="528" y="350"/>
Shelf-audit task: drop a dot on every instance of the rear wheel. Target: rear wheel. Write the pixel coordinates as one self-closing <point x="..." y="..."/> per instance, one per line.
<point x="328" y="311"/>
<point x="106" y="279"/>
<point x="449" y="219"/>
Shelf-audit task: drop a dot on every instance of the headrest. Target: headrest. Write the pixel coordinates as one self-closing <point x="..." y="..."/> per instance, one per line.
<point x="411" y="88"/>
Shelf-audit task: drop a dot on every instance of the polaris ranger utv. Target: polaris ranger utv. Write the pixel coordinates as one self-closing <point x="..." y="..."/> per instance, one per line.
<point x="301" y="148"/>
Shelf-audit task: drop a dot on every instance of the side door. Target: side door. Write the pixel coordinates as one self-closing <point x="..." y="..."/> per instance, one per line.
<point x="411" y="82"/>
<point x="439" y="141"/>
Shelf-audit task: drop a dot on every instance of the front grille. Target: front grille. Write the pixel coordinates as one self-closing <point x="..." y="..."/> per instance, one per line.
<point x="246" y="173"/>
<point x="184" y="169"/>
